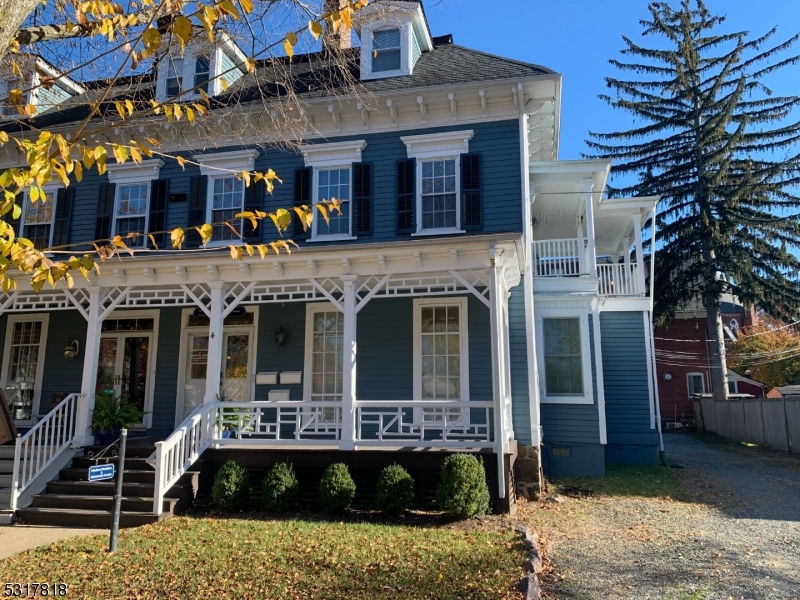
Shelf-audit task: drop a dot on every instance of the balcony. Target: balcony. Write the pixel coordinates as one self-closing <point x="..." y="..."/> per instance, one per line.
<point x="570" y="257"/>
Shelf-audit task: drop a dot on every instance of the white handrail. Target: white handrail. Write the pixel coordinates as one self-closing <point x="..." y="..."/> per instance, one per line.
<point x="618" y="279"/>
<point x="43" y="444"/>
<point x="181" y="449"/>
<point x="560" y="257"/>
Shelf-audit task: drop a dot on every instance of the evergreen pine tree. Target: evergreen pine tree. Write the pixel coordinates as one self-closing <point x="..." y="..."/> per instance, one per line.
<point x="723" y="153"/>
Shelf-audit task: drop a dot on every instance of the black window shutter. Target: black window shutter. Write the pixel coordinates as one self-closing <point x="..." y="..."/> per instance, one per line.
<point x="105" y="211"/>
<point x="197" y="209"/>
<point x="471" y="192"/>
<point x="157" y="222"/>
<point x="253" y="197"/>
<point x="362" y="199"/>
<point x="302" y="195"/>
<point x="63" y="210"/>
<point x="9" y="216"/>
<point x="406" y="196"/>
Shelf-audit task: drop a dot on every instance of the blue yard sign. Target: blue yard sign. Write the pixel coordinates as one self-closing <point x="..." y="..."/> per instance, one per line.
<point x="101" y="472"/>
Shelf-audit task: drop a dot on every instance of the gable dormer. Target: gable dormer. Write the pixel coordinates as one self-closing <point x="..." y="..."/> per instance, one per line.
<point x="202" y="65"/>
<point x="393" y="34"/>
<point x="41" y="83"/>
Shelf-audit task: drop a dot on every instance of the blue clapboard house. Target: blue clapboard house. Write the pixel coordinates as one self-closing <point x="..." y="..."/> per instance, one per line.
<point x="476" y="294"/>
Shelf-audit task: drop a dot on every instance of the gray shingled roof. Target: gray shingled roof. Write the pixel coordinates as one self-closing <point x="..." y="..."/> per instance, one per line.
<point x="312" y="77"/>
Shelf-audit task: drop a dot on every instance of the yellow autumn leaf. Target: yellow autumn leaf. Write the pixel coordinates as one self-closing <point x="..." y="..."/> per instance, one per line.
<point x="181" y="162"/>
<point x="223" y="83"/>
<point x="205" y="231"/>
<point x="288" y="48"/>
<point x="315" y="27"/>
<point x="345" y="12"/>
<point x="78" y="172"/>
<point x="182" y="28"/>
<point x="120" y="110"/>
<point x="129" y="106"/>
<point x="151" y="38"/>
<point x="177" y="236"/>
<point x="247" y="6"/>
<point x="34" y="193"/>
<point x="177" y="111"/>
<point x="3" y="137"/>
<point x="236" y="252"/>
<point x="137" y="158"/>
<point x="250" y="64"/>
<point x="227" y="7"/>
<point x="291" y="38"/>
<point x="189" y="114"/>
<point x="262" y="250"/>
<point x="324" y="212"/>
<point x="203" y="95"/>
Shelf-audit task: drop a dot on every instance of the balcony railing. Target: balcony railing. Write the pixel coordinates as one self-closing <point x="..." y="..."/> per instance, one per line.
<point x="618" y="279"/>
<point x="558" y="258"/>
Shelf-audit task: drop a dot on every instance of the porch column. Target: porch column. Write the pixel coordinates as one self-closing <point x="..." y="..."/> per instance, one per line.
<point x="637" y="233"/>
<point x="586" y="191"/>
<point x="91" y="356"/>
<point x="348" y="439"/>
<point x="214" y="356"/>
<point x="495" y="319"/>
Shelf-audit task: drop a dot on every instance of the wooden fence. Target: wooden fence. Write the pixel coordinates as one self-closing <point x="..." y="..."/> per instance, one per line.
<point x="763" y="421"/>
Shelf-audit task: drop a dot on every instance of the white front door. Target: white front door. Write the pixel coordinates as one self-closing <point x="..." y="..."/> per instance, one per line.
<point x="236" y="368"/>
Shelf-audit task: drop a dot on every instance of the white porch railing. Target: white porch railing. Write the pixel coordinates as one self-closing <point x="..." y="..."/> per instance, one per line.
<point x="424" y="423"/>
<point x="179" y="451"/>
<point x="42" y="445"/>
<point x="556" y="258"/>
<point x="618" y="279"/>
<point x="284" y="421"/>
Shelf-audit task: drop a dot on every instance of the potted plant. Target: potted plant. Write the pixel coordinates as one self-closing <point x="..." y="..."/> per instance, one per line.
<point x="227" y="426"/>
<point x="112" y="414"/>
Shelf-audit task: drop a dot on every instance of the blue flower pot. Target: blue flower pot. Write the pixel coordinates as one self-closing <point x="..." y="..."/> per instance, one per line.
<point x="106" y="439"/>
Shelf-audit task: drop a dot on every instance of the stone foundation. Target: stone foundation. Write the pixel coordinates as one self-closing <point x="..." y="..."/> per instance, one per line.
<point x="528" y="472"/>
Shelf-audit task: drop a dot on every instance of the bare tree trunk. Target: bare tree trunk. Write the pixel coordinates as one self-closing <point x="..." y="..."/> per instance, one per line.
<point x="12" y="15"/>
<point x="719" y="375"/>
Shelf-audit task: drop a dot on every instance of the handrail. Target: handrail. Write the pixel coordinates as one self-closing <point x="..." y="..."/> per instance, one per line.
<point x="555" y="258"/>
<point x="618" y="279"/>
<point x="181" y="449"/>
<point x="43" y="444"/>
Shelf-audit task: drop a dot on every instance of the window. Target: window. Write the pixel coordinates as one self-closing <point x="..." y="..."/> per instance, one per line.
<point x="695" y="384"/>
<point x="23" y="363"/>
<point x="563" y="363"/>
<point x="334" y="183"/>
<point x="386" y="50"/>
<point x="37" y="220"/>
<point x="131" y="212"/>
<point x="174" y="77"/>
<point x="441" y="360"/>
<point x="733" y="387"/>
<point x="202" y="70"/>
<point x="324" y="360"/>
<point x="439" y="206"/>
<point x="227" y="200"/>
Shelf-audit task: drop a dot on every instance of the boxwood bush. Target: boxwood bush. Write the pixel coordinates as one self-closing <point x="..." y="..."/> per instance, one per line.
<point x="280" y="487"/>
<point x="463" y="491"/>
<point x="395" y="490"/>
<point x="337" y="489"/>
<point x="231" y="489"/>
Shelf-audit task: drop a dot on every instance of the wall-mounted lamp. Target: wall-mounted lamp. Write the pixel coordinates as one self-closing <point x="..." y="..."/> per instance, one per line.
<point x="280" y="336"/>
<point x="534" y="222"/>
<point x="71" y="350"/>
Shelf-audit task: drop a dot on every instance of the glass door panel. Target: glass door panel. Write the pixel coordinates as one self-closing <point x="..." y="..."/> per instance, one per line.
<point x="134" y="370"/>
<point x="22" y="367"/>
<point x="235" y="383"/>
<point x="107" y="368"/>
<point x="194" y="388"/>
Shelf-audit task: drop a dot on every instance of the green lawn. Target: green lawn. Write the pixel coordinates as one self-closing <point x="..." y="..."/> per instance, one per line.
<point x="230" y="558"/>
<point x="650" y="481"/>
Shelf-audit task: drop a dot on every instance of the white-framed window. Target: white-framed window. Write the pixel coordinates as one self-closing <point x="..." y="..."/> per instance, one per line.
<point x="324" y="356"/>
<point x="132" y="198"/>
<point x="733" y="386"/>
<point x="23" y="363"/>
<point x="441" y="354"/>
<point x="392" y="40"/>
<point x="226" y="192"/>
<point x="332" y="166"/>
<point x="131" y="207"/>
<point x="202" y="72"/>
<point x="695" y="384"/>
<point x="438" y="180"/>
<point x="37" y="220"/>
<point x="174" y="77"/>
<point x="564" y="356"/>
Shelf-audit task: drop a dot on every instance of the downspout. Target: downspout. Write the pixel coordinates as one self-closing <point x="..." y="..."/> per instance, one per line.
<point x="661" y="453"/>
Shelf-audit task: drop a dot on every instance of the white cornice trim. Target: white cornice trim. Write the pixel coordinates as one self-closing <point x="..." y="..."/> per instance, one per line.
<point x="333" y="154"/>
<point x="238" y="160"/>
<point x="130" y="171"/>
<point x="437" y="144"/>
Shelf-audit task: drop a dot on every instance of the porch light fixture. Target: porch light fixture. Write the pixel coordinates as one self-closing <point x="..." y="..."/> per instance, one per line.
<point x="71" y="350"/>
<point x="280" y="336"/>
<point x="534" y="222"/>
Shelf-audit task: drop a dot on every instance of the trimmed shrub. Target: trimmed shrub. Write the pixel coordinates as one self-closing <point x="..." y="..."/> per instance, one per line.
<point x="280" y="487"/>
<point x="231" y="489"/>
<point x="337" y="489"/>
<point x="395" y="490"/>
<point x="463" y="491"/>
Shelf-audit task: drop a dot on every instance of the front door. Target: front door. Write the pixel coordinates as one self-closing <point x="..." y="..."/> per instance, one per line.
<point x="124" y="361"/>
<point x="236" y="375"/>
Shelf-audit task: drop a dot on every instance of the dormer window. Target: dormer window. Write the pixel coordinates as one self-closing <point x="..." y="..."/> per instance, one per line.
<point x="47" y="88"/>
<point x="202" y="66"/>
<point x="393" y="37"/>
<point x="386" y="50"/>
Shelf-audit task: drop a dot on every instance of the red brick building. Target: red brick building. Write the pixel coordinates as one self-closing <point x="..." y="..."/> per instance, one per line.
<point x="683" y="357"/>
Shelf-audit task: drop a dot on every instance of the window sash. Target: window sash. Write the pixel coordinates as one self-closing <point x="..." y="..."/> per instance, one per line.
<point x="438" y="194"/>
<point x="696" y="383"/>
<point x="563" y="356"/>
<point x="24" y="352"/>
<point x="227" y="199"/>
<point x="202" y="73"/>
<point x="174" y="77"/>
<point x="334" y="183"/>
<point x="130" y="212"/>
<point x="37" y="220"/>
<point x="387" y="47"/>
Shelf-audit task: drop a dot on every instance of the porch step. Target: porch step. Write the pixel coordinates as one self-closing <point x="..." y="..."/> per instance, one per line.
<point x="72" y="500"/>
<point x="7" y="452"/>
<point x="75" y="517"/>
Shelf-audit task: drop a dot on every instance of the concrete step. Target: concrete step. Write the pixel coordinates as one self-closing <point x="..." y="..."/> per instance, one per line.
<point x="5" y="497"/>
<point x="131" y="476"/>
<point x="81" y="517"/>
<point x="7" y="451"/>
<point x="129" y="503"/>
<point x="6" y="465"/>
<point x="5" y="480"/>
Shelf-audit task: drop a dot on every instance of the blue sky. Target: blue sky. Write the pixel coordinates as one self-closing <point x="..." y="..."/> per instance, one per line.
<point x="577" y="37"/>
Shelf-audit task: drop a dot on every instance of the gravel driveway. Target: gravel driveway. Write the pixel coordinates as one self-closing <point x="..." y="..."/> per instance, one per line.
<point x="737" y="536"/>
